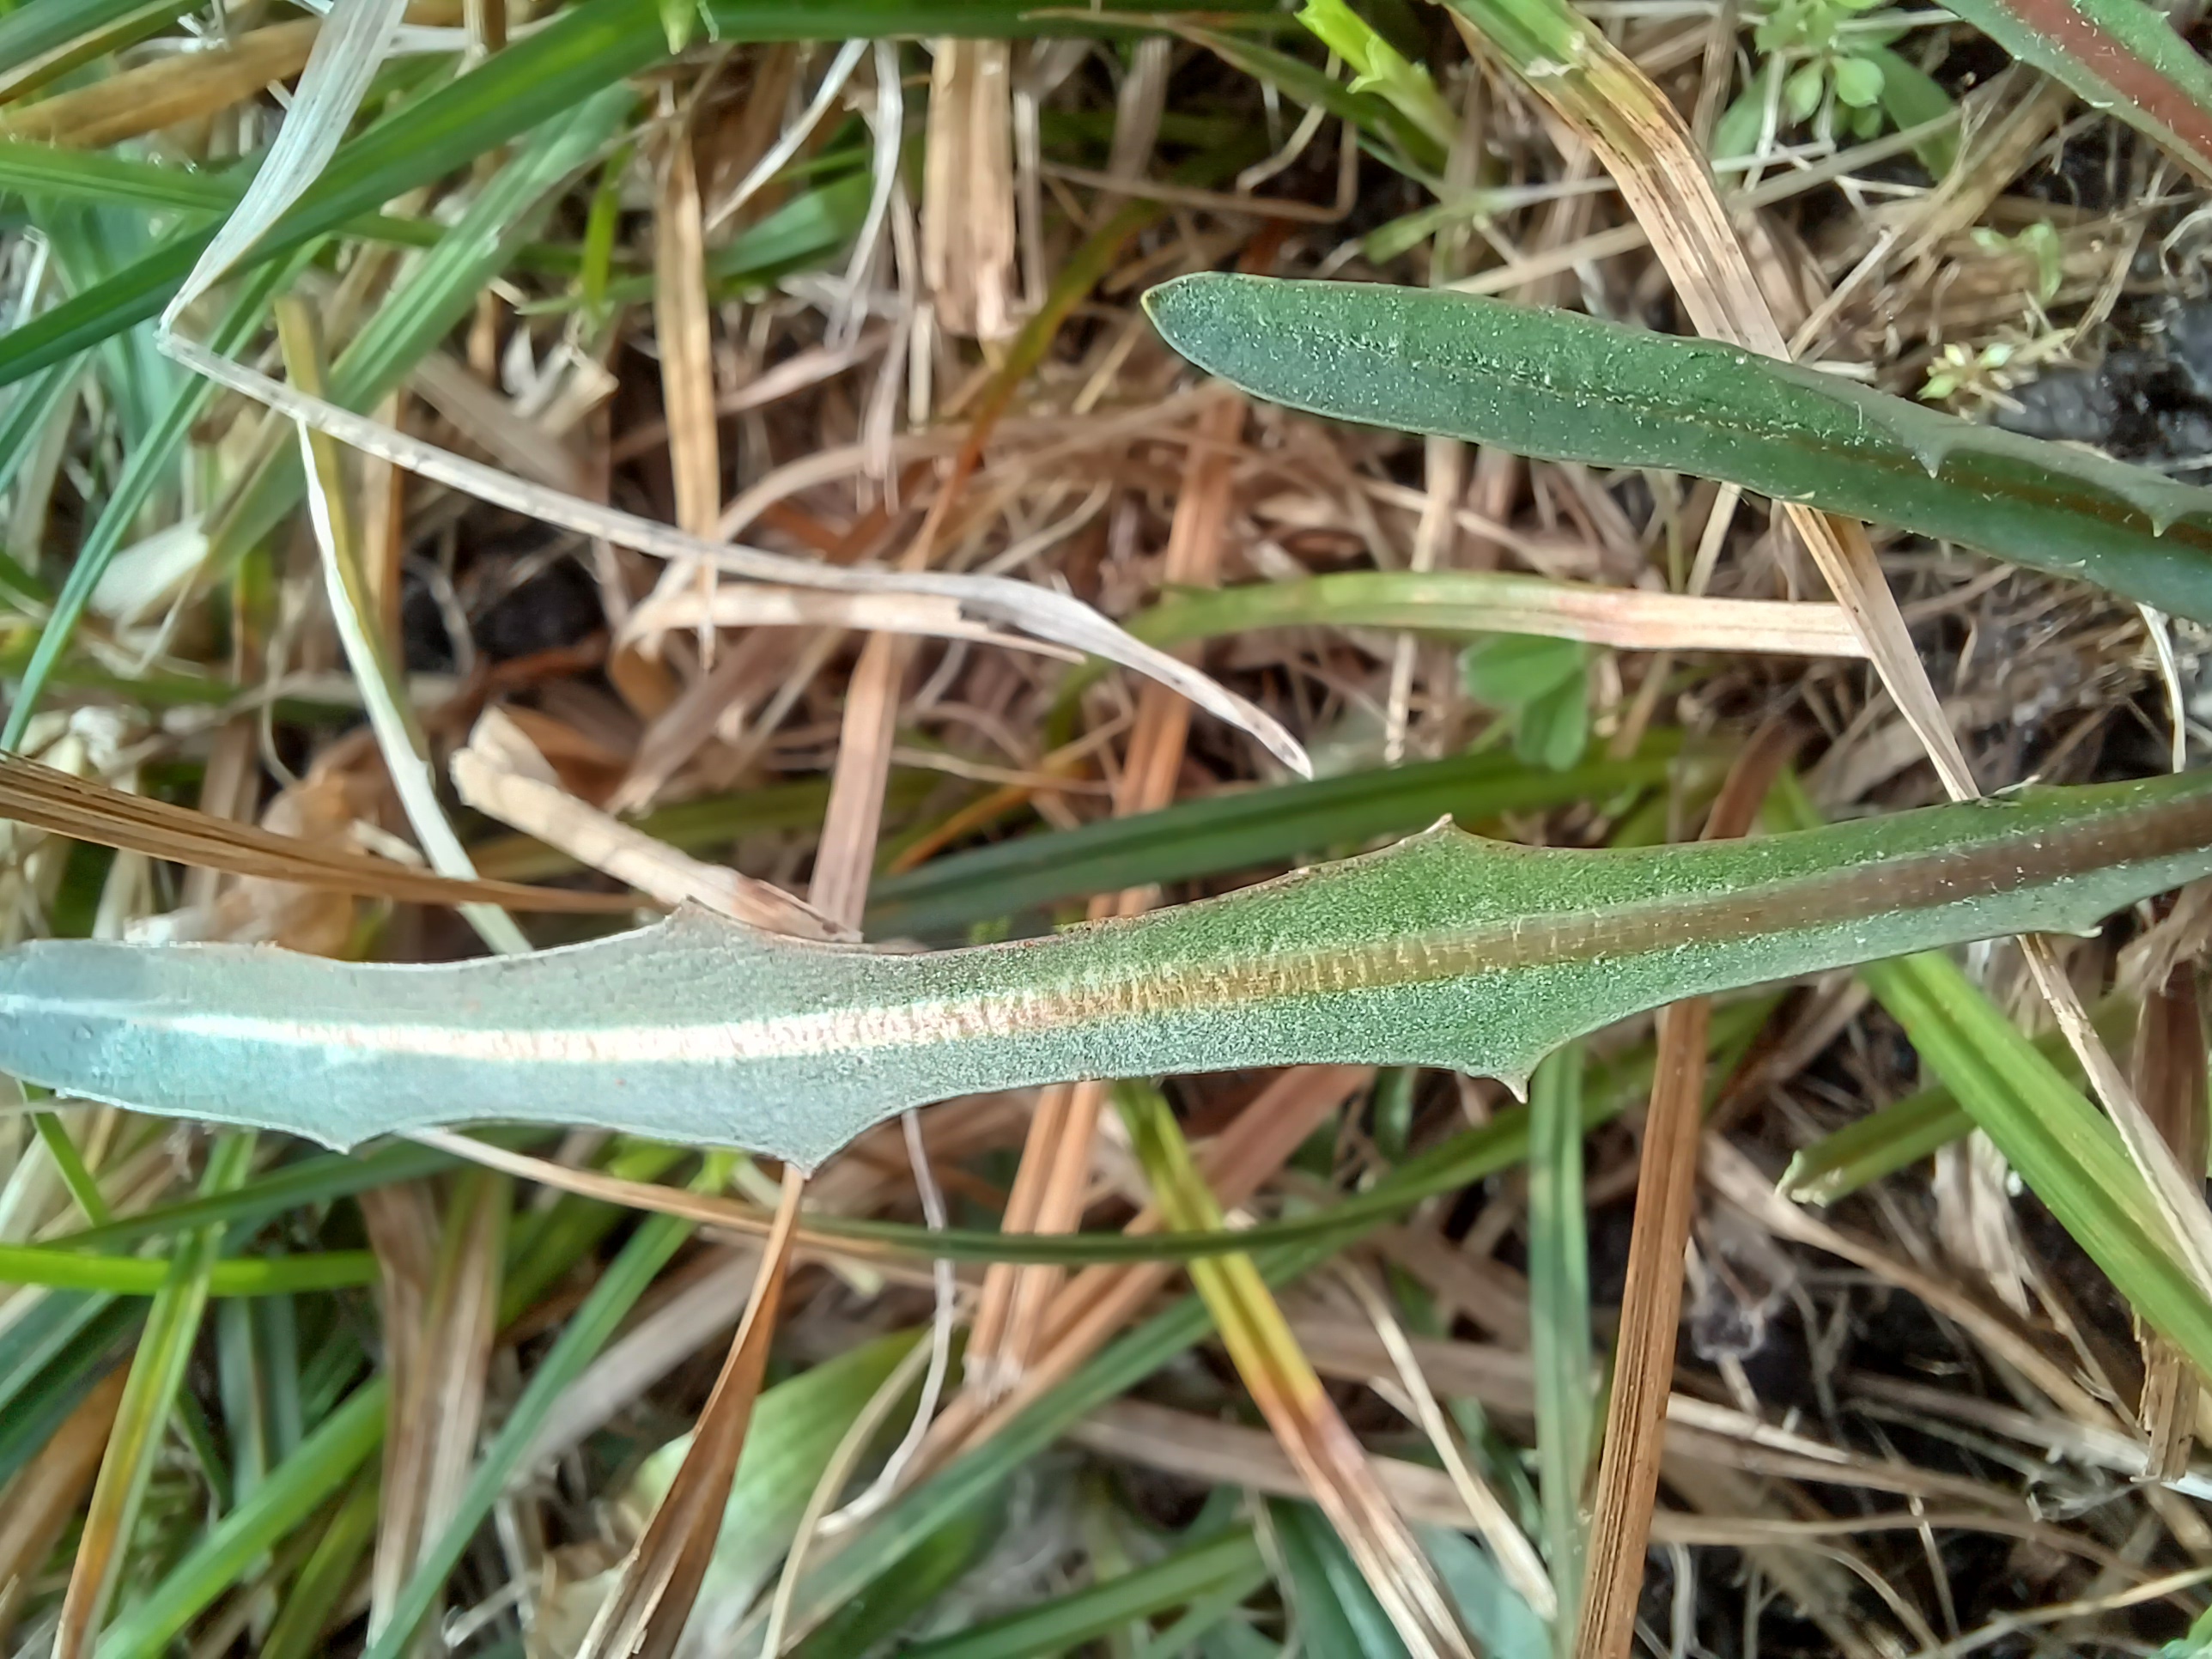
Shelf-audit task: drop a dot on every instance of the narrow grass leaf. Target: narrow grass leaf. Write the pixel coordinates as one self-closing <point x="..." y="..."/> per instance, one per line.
<point x="348" y="48"/>
<point x="1566" y="1369"/>
<point x="143" y="1419"/>
<point x="1239" y="830"/>
<point x="49" y="37"/>
<point x="339" y="1445"/>
<point x="311" y="1602"/>
<point x="1231" y="1560"/>
<point x="117" y="1275"/>
<point x="1898" y="1135"/>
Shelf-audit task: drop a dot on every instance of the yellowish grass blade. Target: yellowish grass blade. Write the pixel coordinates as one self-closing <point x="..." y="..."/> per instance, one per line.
<point x="1290" y="1396"/>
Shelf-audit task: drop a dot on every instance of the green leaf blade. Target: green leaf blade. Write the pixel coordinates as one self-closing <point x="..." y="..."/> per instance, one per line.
<point x="1445" y="951"/>
<point x="1557" y="385"/>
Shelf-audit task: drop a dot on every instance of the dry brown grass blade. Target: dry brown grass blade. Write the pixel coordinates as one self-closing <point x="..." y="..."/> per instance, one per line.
<point x="37" y="1506"/>
<point x="967" y="188"/>
<point x="2169" y="1069"/>
<point x="644" y="1618"/>
<point x="1652" y="1300"/>
<point x="47" y="798"/>
<point x="171" y="89"/>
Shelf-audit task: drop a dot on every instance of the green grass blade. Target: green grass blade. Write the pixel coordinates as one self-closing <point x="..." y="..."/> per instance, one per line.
<point x="2063" y="1146"/>
<point x="150" y="1396"/>
<point x="41" y="171"/>
<point x="1901" y="1134"/>
<point x="121" y="1275"/>
<point x="69" y="1163"/>
<point x="1561" y="386"/>
<point x="1445" y="951"/>
<point x="1565" y="1366"/>
<point x="329" y="1456"/>
<point x="42" y="25"/>
<point x="310" y="1602"/>
<point x="886" y="1606"/>
<point x="1336" y="1613"/>
<point x="797" y="1427"/>
<point x="1245" y="830"/>
<point x="1232" y="1558"/>
<point x="69" y="32"/>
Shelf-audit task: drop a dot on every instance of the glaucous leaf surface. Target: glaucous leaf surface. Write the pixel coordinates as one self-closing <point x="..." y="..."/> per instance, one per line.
<point x="1445" y="950"/>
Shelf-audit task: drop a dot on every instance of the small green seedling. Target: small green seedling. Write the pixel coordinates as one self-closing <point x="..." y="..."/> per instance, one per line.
<point x="1541" y="685"/>
<point x="1836" y="68"/>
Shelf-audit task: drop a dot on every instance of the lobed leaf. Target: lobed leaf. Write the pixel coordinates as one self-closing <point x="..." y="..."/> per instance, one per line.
<point x="1445" y="951"/>
<point x="1560" y="385"/>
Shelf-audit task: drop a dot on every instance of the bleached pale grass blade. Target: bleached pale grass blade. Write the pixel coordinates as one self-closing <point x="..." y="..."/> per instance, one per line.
<point x="1049" y="615"/>
<point x="399" y="735"/>
<point x="501" y="773"/>
<point x="757" y="605"/>
<point x="348" y="50"/>
<point x="793" y="136"/>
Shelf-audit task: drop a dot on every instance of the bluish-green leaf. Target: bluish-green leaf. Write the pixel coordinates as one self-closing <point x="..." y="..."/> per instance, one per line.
<point x="1445" y="951"/>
